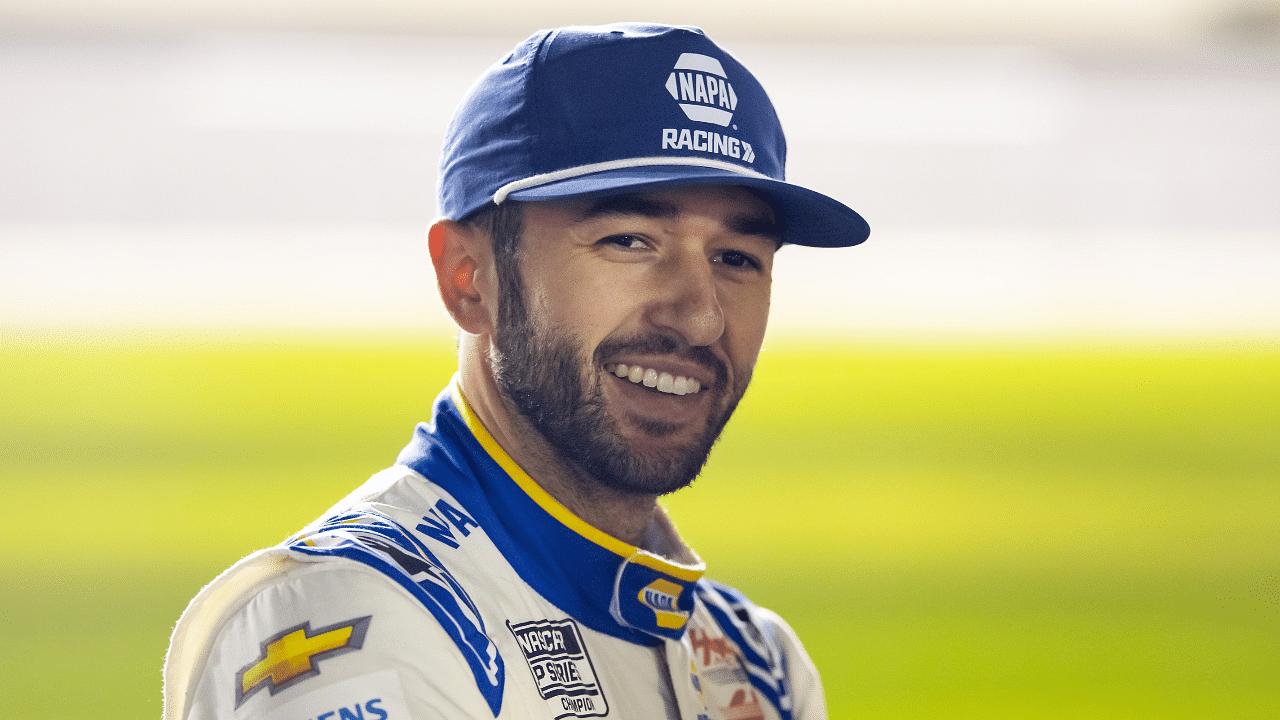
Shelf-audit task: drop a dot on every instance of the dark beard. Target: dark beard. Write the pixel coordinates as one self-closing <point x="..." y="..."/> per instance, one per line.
<point x="561" y="394"/>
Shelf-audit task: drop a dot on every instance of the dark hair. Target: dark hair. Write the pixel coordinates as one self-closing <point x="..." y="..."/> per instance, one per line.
<point x="504" y="224"/>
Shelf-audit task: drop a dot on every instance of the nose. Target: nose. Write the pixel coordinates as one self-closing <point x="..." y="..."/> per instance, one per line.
<point x="688" y="301"/>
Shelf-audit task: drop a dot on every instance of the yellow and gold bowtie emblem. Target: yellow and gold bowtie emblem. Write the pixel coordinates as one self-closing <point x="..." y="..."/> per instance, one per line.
<point x="291" y="656"/>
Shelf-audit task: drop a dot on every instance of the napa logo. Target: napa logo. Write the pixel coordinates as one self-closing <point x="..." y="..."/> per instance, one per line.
<point x="704" y="92"/>
<point x="661" y="596"/>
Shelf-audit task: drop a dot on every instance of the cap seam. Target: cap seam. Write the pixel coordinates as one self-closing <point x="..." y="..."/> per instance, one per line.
<point x="534" y="181"/>
<point x="535" y="68"/>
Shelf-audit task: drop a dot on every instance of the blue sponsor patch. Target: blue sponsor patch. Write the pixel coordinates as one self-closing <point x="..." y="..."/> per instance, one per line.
<point x="356" y="711"/>
<point x="375" y="696"/>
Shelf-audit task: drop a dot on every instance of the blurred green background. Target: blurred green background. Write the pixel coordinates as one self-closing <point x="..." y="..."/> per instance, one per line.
<point x="968" y="531"/>
<point x="988" y="529"/>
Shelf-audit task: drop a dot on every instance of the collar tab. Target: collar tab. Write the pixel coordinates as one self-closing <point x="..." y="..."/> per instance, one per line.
<point x="649" y="600"/>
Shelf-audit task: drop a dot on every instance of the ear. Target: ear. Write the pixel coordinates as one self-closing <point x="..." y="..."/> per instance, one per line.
<point x="463" y="260"/>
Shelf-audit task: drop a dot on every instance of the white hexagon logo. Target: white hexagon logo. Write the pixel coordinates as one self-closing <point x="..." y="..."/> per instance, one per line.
<point x="699" y="84"/>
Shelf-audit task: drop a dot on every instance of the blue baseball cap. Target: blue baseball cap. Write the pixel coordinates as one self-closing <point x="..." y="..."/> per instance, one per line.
<point x="628" y="107"/>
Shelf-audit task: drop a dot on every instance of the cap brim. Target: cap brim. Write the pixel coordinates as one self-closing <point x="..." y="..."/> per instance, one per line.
<point x="808" y="217"/>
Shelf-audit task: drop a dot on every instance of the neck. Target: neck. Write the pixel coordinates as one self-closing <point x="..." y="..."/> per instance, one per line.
<point x="625" y="516"/>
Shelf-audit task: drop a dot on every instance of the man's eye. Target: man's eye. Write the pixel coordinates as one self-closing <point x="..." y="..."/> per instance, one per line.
<point x="630" y="242"/>
<point x="736" y="259"/>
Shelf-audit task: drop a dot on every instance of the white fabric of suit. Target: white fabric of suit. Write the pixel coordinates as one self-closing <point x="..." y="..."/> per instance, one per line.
<point x="451" y="586"/>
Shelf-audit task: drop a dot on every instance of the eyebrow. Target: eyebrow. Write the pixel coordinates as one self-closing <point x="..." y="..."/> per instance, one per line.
<point x="760" y="224"/>
<point x="615" y="205"/>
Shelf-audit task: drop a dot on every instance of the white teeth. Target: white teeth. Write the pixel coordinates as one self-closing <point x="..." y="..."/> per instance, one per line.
<point x="666" y="383"/>
<point x="662" y="382"/>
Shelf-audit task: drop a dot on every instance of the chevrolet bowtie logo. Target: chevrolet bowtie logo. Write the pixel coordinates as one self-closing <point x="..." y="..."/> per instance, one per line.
<point x="290" y="656"/>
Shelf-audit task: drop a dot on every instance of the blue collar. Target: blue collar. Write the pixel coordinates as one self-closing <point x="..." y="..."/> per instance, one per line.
<point x="606" y="584"/>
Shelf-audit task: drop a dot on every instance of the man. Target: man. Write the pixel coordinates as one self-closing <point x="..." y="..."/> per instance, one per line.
<point x="612" y="199"/>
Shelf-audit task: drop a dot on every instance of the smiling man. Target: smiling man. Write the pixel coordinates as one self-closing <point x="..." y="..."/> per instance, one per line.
<point x="611" y="200"/>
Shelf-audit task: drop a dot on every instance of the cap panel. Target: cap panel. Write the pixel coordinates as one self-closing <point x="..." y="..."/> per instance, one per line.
<point x="675" y="94"/>
<point x="487" y="141"/>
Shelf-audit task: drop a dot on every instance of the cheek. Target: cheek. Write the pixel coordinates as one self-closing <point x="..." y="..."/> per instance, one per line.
<point x="588" y="307"/>
<point x="747" y="317"/>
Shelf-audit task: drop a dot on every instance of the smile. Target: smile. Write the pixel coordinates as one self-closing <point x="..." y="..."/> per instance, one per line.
<point x="663" y="382"/>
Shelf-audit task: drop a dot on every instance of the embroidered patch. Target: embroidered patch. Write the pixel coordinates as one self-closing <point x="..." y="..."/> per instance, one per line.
<point x="744" y="705"/>
<point x="663" y="598"/>
<point x="751" y="642"/>
<point x="561" y="668"/>
<point x="717" y="658"/>
<point x="290" y="656"/>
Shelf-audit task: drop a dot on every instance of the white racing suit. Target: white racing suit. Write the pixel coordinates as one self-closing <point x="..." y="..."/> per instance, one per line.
<point x="452" y="586"/>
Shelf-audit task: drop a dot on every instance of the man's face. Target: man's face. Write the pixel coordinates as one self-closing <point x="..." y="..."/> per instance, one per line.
<point x="638" y="324"/>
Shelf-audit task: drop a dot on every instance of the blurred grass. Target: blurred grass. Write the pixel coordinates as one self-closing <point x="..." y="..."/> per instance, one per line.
<point x="955" y="532"/>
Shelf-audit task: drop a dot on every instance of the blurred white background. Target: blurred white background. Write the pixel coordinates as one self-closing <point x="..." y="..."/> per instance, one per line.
<point x="1028" y="168"/>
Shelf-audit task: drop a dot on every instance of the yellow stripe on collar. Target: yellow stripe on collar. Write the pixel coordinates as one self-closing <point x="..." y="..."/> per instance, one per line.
<point x="640" y="556"/>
